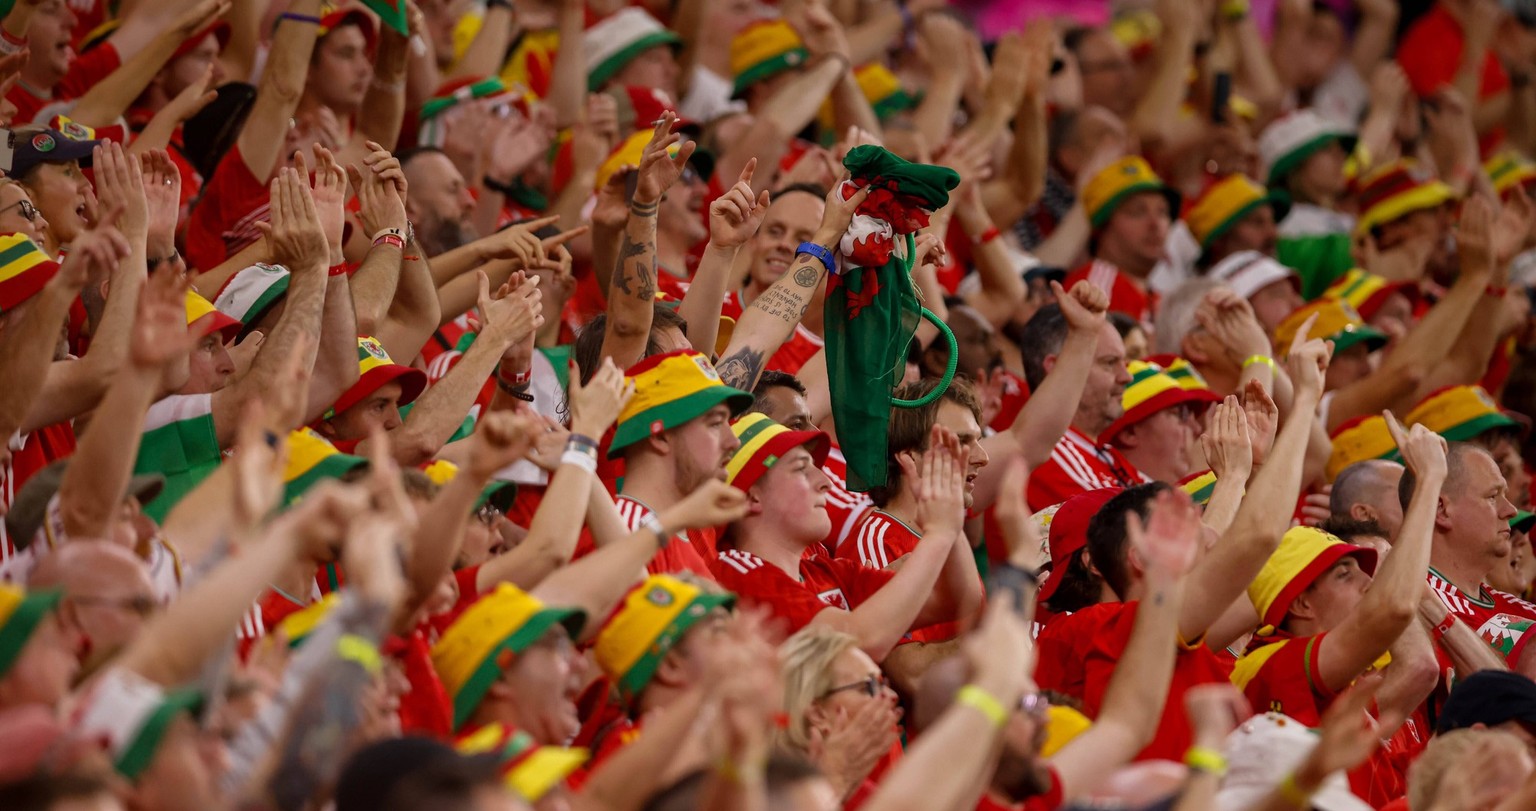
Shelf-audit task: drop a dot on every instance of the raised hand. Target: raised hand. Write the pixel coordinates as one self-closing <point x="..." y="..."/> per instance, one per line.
<point x="1170" y="540"/>
<point x="519" y="242"/>
<point x="1307" y="363"/>
<point x="501" y="438"/>
<point x="319" y="522"/>
<point x="658" y="168"/>
<point x="1263" y="418"/>
<point x="162" y="197"/>
<point x="1423" y="450"/>
<point x="371" y="557"/>
<point x="257" y="465"/>
<point x="1512" y="225"/>
<point x="330" y="198"/>
<point x="735" y="216"/>
<point x="296" y="239"/>
<point x="839" y="213"/>
<point x="192" y="99"/>
<point x="596" y="405"/>
<point x="120" y="184"/>
<point x="387" y="167"/>
<point x="1084" y="306"/>
<point x="929" y="249"/>
<point x="1001" y="650"/>
<point x="611" y="209"/>
<point x="549" y="443"/>
<point x="518" y="142"/>
<point x="160" y="335"/>
<point x="1229" y="319"/>
<point x="380" y="204"/>
<point x="1228" y="448"/>
<point x="823" y="34"/>
<point x="940" y="487"/>
<point x="970" y="157"/>
<point x="515" y="311"/>
<point x="713" y="504"/>
<point x="102" y="248"/>
<point x="1474" y="232"/>
<point x="1214" y="710"/>
<point x="1010" y="72"/>
<point x="850" y="745"/>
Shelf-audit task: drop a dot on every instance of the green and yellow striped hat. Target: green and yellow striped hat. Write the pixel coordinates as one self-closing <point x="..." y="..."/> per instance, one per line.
<point x="1303" y="555"/>
<point x="651" y="620"/>
<point x="1460" y="413"/>
<point x="297" y="627"/>
<point x="1199" y="486"/>
<point x="1226" y="202"/>
<point x="1509" y="169"/>
<point x="1149" y="392"/>
<point x="312" y="459"/>
<point x="1185" y="374"/>
<point x="670" y="390"/>
<point x="881" y="89"/>
<point x="763" y="443"/>
<point x="1120" y="180"/>
<point x="763" y="49"/>
<point x="484" y="640"/>
<point x="24" y="269"/>
<point x="1366" y="292"/>
<point x="528" y="769"/>
<point x="20" y="613"/>
<point x="1357" y="440"/>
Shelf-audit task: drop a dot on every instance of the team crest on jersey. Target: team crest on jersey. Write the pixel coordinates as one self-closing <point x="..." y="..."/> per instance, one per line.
<point x="1503" y="632"/>
<point x="835" y="598"/>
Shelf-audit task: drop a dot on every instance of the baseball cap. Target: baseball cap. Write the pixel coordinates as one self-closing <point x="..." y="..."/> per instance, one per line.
<point x="1489" y="697"/>
<point x="210" y="319"/>
<point x="131" y="715"/>
<point x="1262" y="751"/>
<point x="1227" y="201"/>
<point x="529" y="770"/>
<point x="648" y="622"/>
<point x="1069" y="533"/>
<point x="483" y="641"/>
<point x="1337" y="321"/>
<point x="763" y="443"/>
<point x="617" y="39"/>
<point x="27" y="147"/>
<point x="29" y="509"/>
<point x="20" y="613"/>
<point x="1460" y="413"/>
<point x="764" y="49"/>
<point x="1357" y="440"/>
<point x="1396" y="190"/>
<point x="24" y="270"/>
<point x="670" y="390"/>
<point x="1120" y="180"/>
<point x="1291" y="139"/>
<point x="375" y="368"/>
<point x="1149" y="392"/>
<point x="1303" y="555"/>
<point x="1248" y="272"/>
<point x="1366" y="292"/>
<point x="251" y="292"/>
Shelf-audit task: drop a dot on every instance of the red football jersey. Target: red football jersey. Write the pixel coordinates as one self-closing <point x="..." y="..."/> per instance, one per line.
<point x="224" y="219"/>
<point x="844" y="506"/>
<point x="1503" y="620"/>
<point x="878" y="541"/>
<point x="1125" y="294"/>
<point x="686" y="553"/>
<point x="823" y="582"/>
<point x="1283" y="677"/>
<point x="1061" y="648"/>
<point x="1079" y="464"/>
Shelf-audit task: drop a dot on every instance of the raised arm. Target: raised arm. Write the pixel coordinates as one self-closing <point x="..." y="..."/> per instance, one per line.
<point x="282" y="84"/>
<point x="568" y="79"/>
<point x="1390" y="603"/>
<point x="733" y="218"/>
<point x="784" y="115"/>
<point x="106" y="101"/>
<point x="1156" y="114"/>
<point x="383" y="109"/>
<point x="381" y="210"/>
<point x="27" y="345"/>
<point x="771" y="318"/>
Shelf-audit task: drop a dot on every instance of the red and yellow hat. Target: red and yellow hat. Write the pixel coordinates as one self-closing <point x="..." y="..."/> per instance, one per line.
<point x="881" y="89"/>
<point x="1224" y="203"/>
<point x="529" y="770"/>
<point x="1182" y="371"/>
<point x="1396" y="190"/>
<point x="628" y="153"/>
<point x="375" y="368"/>
<point x="207" y="319"/>
<point x="764" y="49"/>
<point x="311" y="460"/>
<point x="1366" y="292"/>
<point x="1509" y="169"/>
<point x="1460" y="413"/>
<point x="1304" y="554"/>
<point x="650" y="620"/>
<point x="670" y="390"/>
<point x="482" y="643"/>
<point x="1337" y="321"/>
<point x="763" y="443"/>
<point x="1149" y="392"/>
<point x="1357" y="440"/>
<point x="24" y="270"/>
<point x="1069" y="533"/>
<point x="352" y="15"/>
<point x="1114" y="183"/>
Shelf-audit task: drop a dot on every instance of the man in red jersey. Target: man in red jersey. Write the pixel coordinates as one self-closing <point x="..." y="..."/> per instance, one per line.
<point x="794" y="214"/>
<point x="1130" y="210"/>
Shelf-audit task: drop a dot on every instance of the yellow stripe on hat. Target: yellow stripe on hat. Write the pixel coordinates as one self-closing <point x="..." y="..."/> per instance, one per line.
<point x="197" y="307"/>
<point x="1147" y="381"/>
<point x="305" y="450"/>
<point x="18" y="254"/>
<point x="10" y="597"/>
<point x="647" y="611"/>
<point x="754" y="431"/>
<point x="670" y="380"/>
<point x="300" y="624"/>
<point x="1359" y="440"/>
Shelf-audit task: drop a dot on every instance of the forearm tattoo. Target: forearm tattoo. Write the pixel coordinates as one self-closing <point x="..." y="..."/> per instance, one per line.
<point x="741" y="368"/>
<point x="637" y="270"/>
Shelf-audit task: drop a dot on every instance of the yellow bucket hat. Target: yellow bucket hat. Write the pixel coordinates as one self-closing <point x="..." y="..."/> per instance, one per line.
<point x="1337" y="321"/>
<point x="1460" y="413"/>
<point x="1114" y="183"/>
<point x="763" y="49"/>
<point x="1303" y="555"/>
<point x="1357" y="440"/>
<point x="652" y="619"/>
<point x="1226" y="202"/>
<point x="1395" y="191"/>
<point x="1509" y="169"/>
<point x="483" y="641"/>
<point x="312" y="459"/>
<point x="670" y="390"/>
<point x="528" y="769"/>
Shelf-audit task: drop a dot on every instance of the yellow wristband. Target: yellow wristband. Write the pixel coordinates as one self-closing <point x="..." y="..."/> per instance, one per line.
<point x="1264" y="359"/>
<point x="354" y="648"/>
<point x="984" y="702"/>
<point x="1293" y="793"/>
<point x="1206" y="759"/>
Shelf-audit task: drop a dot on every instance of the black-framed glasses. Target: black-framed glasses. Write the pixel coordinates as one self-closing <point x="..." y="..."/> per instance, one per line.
<point x="28" y="211"/>
<point x="140" y="604"/>
<point x="870" y="686"/>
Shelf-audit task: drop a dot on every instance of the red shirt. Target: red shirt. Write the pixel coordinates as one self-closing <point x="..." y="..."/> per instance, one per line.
<point x="845" y="507"/>
<point x="224" y="219"/>
<point x="85" y="71"/>
<point x="822" y="582"/>
<point x="1079" y="464"/>
<point x="1430" y="54"/>
<point x="793" y="354"/>
<point x="1503" y="620"/>
<point x="1283" y="677"/>
<point x="38" y="449"/>
<point x="1126" y="295"/>
<point x="1015" y="395"/>
<point x="1061" y="648"/>
<point x="686" y="553"/>
<point x="1192" y="667"/>
<point x="877" y="542"/>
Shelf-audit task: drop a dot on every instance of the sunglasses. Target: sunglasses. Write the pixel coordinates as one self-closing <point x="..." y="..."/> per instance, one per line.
<point x="28" y="211"/>
<point x="870" y="686"/>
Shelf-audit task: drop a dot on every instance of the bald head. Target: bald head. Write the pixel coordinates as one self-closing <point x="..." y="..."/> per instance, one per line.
<point x="107" y="594"/>
<point x="1367" y="491"/>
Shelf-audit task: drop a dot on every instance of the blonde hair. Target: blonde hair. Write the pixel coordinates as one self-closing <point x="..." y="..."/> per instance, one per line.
<point x="806" y="661"/>
<point x="1445" y="753"/>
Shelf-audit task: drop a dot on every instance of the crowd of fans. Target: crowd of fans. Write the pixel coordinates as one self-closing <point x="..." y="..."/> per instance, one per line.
<point x="425" y="404"/>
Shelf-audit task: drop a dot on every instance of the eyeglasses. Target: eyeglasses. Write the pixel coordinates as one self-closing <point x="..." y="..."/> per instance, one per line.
<point x="28" y="211"/>
<point x="139" y="604"/>
<point x="870" y="686"/>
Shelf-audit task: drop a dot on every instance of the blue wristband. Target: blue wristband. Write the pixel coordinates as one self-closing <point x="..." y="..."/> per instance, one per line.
<point x="827" y="260"/>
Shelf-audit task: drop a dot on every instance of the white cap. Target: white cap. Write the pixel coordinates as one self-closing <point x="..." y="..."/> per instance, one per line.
<point x="1260" y="754"/>
<point x="1248" y="272"/>
<point x="1291" y="138"/>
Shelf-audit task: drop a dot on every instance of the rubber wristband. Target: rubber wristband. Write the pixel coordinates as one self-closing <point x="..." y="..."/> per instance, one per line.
<point x="1439" y="631"/>
<point x="354" y="648"/>
<point x="1293" y="793"/>
<point x="390" y="239"/>
<point x="652" y="523"/>
<point x="582" y="439"/>
<point x="828" y="261"/>
<point x="1264" y="359"/>
<point x="299" y="18"/>
<point x="984" y="702"/>
<point x="585" y="461"/>
<point x="1495" y="292"/>
<point x="987" y="236"/>
<point x="1205" y="759"/>
<point x="517" y="379"/>
<point x="342" y="269"/>
<point x="383" y="232"/>
<point x="572" y="446"/>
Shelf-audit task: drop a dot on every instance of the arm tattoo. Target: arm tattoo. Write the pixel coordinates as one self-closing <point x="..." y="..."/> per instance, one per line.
<point x="782" y="304"/>
<point x="637" y="278"/>
<point x="741" y="368"/>
<point x="807" y="275"/>
<point x="643" y="209"/>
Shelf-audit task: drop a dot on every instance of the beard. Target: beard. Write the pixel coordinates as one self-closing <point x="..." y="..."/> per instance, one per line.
<point x="445" y="235"/>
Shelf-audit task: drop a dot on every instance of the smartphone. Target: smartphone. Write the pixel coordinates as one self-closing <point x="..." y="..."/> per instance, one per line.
<point x="1221" y="97"/>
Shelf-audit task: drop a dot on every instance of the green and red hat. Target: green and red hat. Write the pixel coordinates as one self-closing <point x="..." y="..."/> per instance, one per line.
<point x="375" y="368"/>
<point x="1151" y="390"/>
<point x="763" y="443"/>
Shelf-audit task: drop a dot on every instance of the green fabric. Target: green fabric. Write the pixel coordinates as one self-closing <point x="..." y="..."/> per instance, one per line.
<point x="559" y="357"/>
<point x="391" y="13"/>
<point x="1318" y="260"/>
<point x="605" y="70"/>
<point x="141" y="752"/>
<point x="702" y="605"/>
<point x="331" y="467"/>
<point x="871" y="314"/>
<point x="489" y="670"/>
<point x="18" y="627"/>
<point x="185" y="451"/>
<point x="779" y="63"/>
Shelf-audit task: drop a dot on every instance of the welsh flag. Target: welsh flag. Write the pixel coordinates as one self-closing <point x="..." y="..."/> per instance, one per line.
<point x="391" y="13"/>
<point x="872" y="308"/>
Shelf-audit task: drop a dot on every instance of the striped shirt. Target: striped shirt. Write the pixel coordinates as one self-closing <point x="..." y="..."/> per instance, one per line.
<point x="1077" y="465"/>
<point x="1502" y="620"/>
<point x="881" y="539"/>
<point x="1126" y="295"/>
<point x="687" y="551"/>
<point x="844" y="506"/>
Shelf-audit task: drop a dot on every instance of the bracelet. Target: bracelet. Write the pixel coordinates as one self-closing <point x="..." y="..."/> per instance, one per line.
<point x="1439" y="631"/>
<point x="410" y="257"/>
<point x="518" y="379"/>
<point x="298" y="18"/>
<point x="504" y="189"/>
<point x="983" y="702"/>
<point x="339" y="270"/>
<point x="582" y="439"/>
<point x="390" y="239"/>
<point x="354" y="648"/>
<point x="1293" y="793"/>
<point x="987" y="236"/>
<point x="384" y="232"/>
<point x="1495" y="292"/>
<point x="827" y="259"/>
<point x="1205" y="759"/>
<point x="514" y="391"/>
<point x="652" y="523"/>
<point x="572" y="446"/>
<point x="587" y="462"/>
<point x="389" y="87"/>
<point x="1264" y="359"/>
<point x="643" y="209"/>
